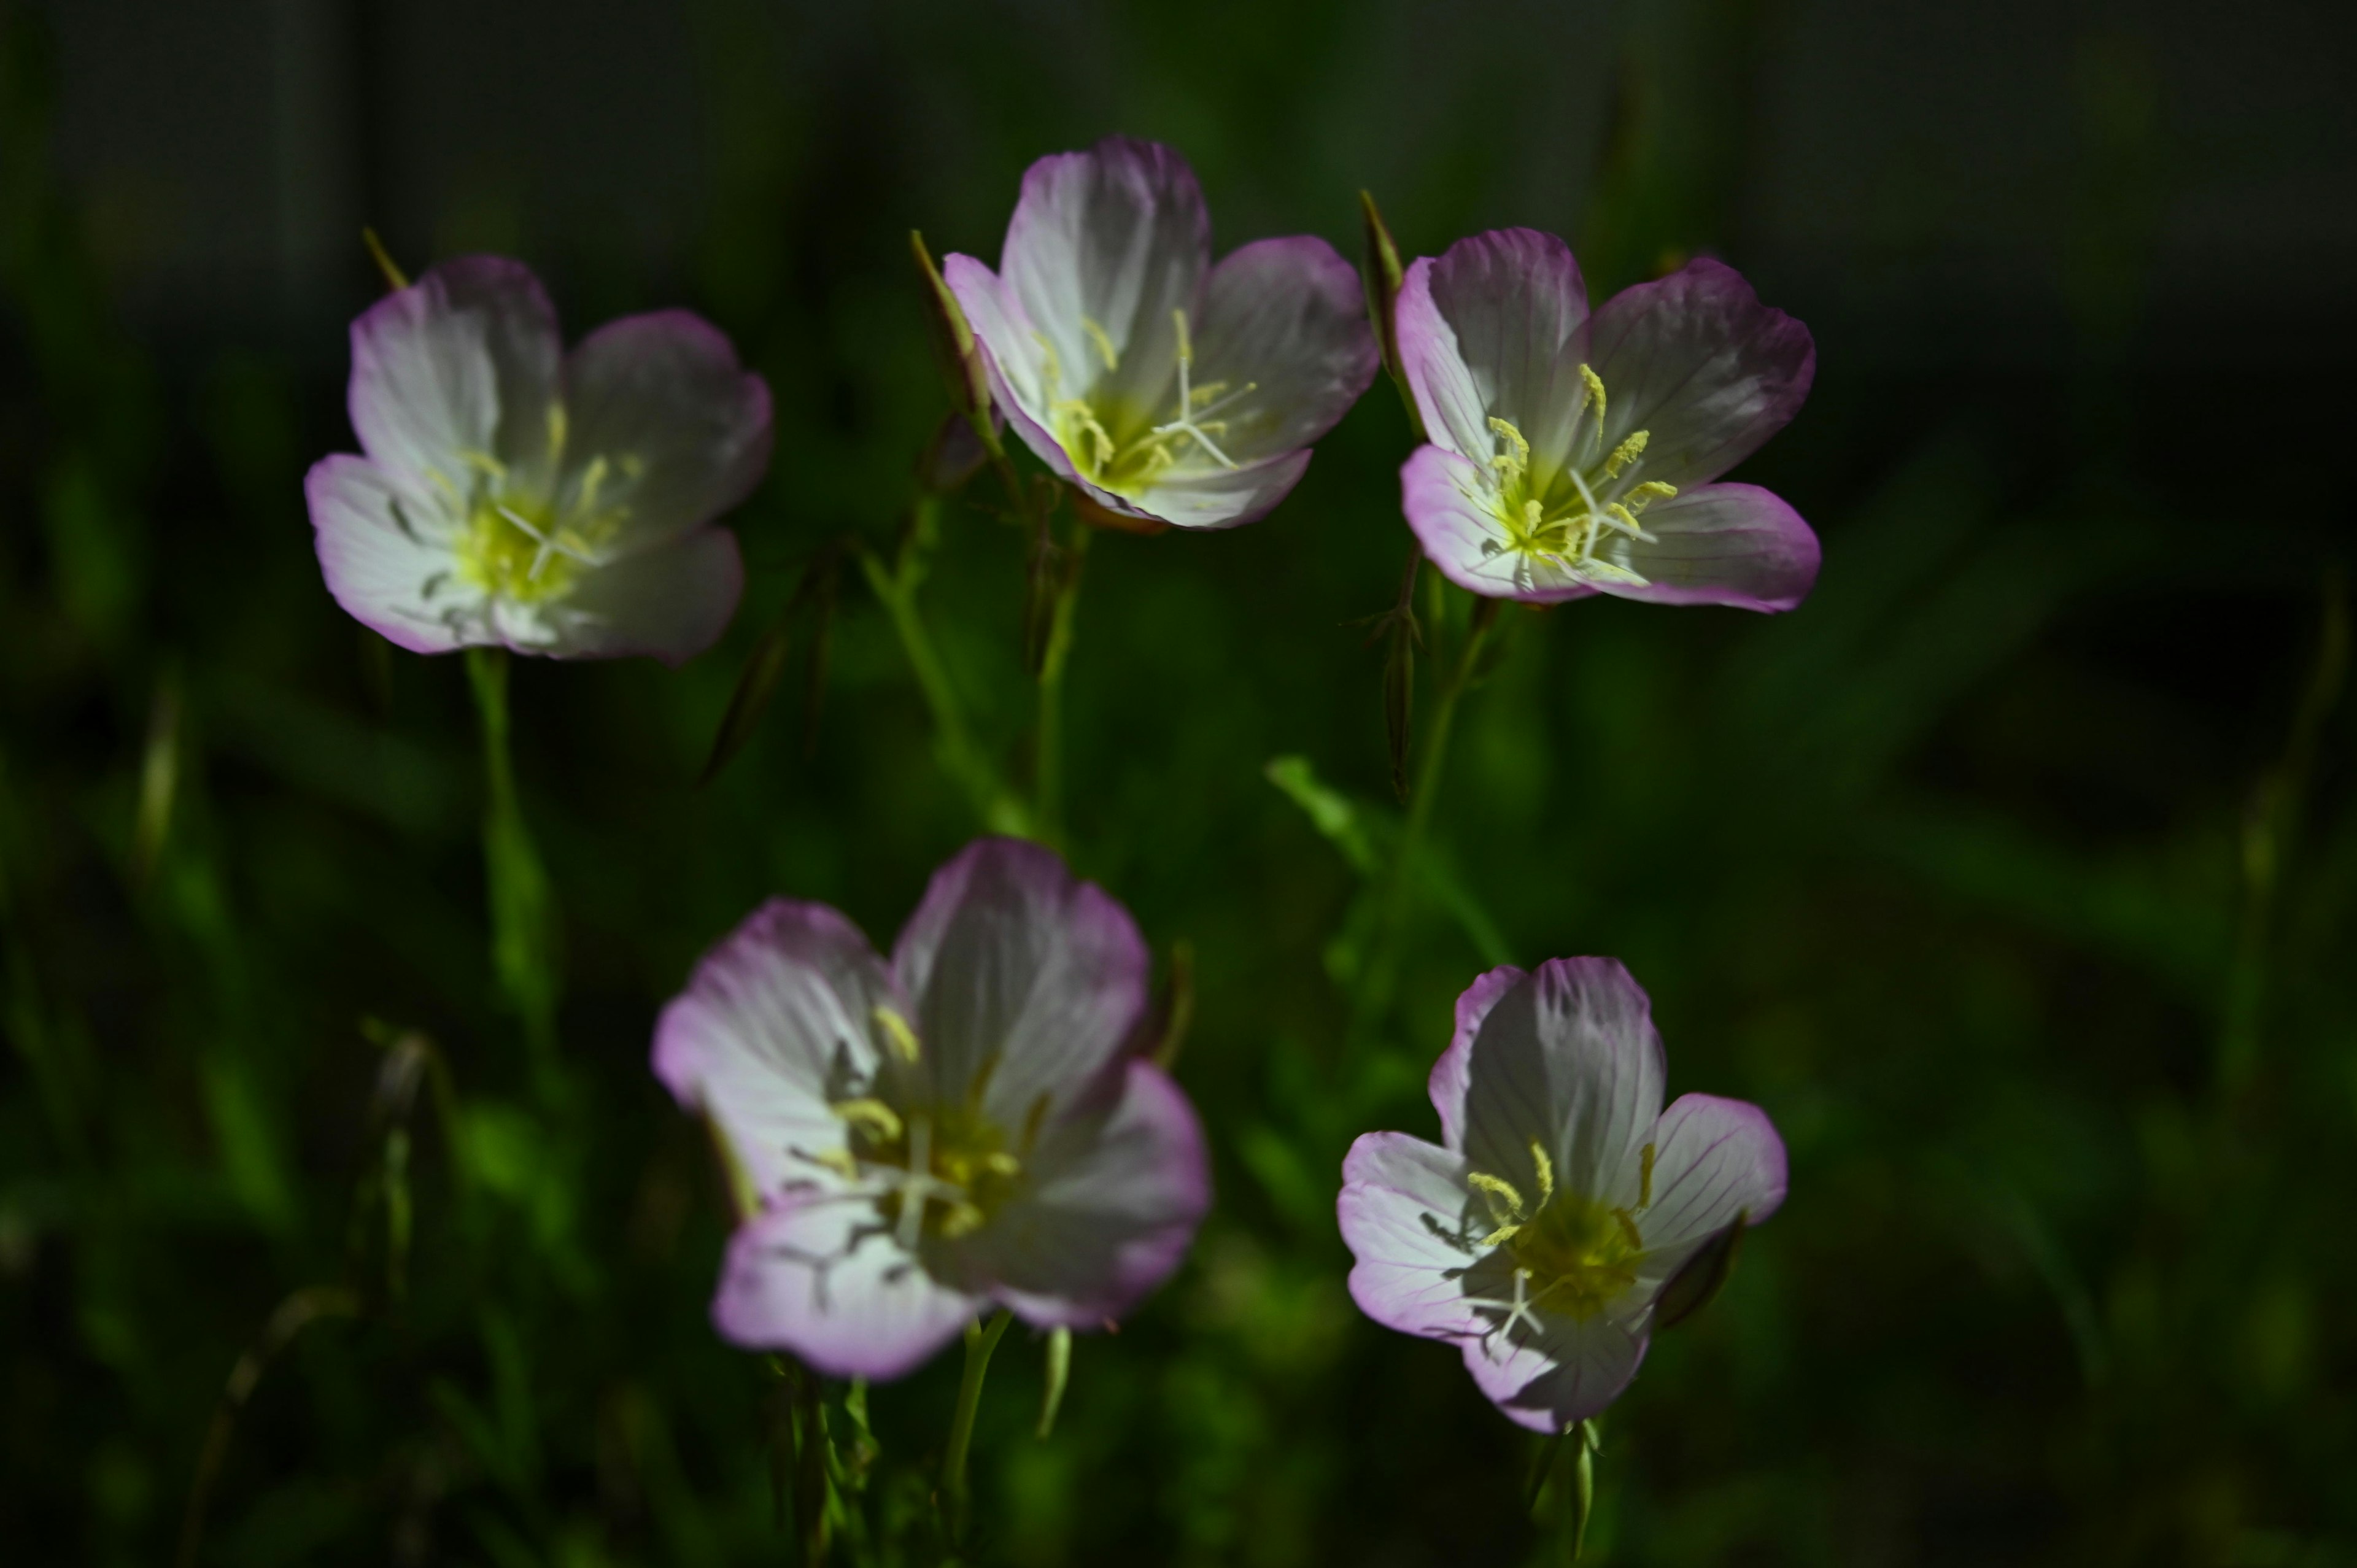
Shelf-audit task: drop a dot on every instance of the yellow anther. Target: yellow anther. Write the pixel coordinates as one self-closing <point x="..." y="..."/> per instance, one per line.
<point x="1500" y="1237"/>
<point x="484" y="463"/>
<point x="1546" y="1173"/>
<point x="557" y="427"/>
<point x="1592" y="393"/>
<point x="1208" y="394"/>
<point x="897" y="1034"/>
<point x="1627" y="452"/>
<point x="1646" y="1179"/>
<point x="1186" y="344"/>
<point x="1644" y="495"/>
<point x="1621" y="517"/>
<point x="998" y="1162"/>
<point x="1051" y="365"/>
<point x="1516" y="460"/>
<point x="873" y="1117"/>
<point x="593" y="478"/>
<point x="1103" y="340"/>
<point x="962" y="1220"/>
<point x="634" y="465"/>
<point x="1629" y="1230"/>
<point x="1498" y="1190"/>
<point x="839" y="1161"/>
<point x="1032" y="1121"/>
<point x="1082" y="420"/>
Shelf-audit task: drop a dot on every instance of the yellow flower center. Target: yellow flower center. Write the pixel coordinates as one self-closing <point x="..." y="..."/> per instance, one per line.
<point x="1572" y="1255"/>
<point x="520" y="543"/>
<point x="515" y="550"/>
<point x="940" y="1171"/>
<point x="1568" y="516"/>
<point x="1124" y="447"/>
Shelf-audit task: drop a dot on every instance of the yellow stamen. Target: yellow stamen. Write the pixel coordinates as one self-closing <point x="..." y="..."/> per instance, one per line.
<point x="1505" y="1204"/>
<point x="1644" y="495"/>
<point x="1592" y="394"/>
<point x="1186" y="345"/>
<point x="1546" y="1173"/>
<point x="1646" y="1179"/>
<point x="1103" y="340"/>
<point x="558" y="428"/>
<point x="897" y="1034"/>
<point x="1627" y="452"/>
<point x="875" y="1118"/>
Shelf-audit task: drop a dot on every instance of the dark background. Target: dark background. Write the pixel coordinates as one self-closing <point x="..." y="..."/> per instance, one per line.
<point x="2013" y="873"/>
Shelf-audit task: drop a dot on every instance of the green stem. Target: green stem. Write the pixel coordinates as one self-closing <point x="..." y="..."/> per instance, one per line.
<point x="963" y="760"/>
<point x="522" y="945"/>
<point x="1047" y="819"/>
<point x="1375" y="994"/>
<point x="980" y="1341"/>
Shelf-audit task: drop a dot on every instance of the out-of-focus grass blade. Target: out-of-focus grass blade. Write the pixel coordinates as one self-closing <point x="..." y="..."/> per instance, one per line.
<point x="767" y="664"/>
<point x="1059" y="1372"/>
<point x="159" y="772"/>
<point x="1330" y="810"/>
<point x="755" y="686"/>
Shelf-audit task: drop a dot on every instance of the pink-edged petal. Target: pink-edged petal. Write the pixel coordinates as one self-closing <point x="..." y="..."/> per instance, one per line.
<point x="1713" y="1159"/>
<point x="820" y="1275"/>
<point x="1116" y="236"/>
<point x="1403" y="1211"/>
<point x="776" y="1023"/>
<point x="1566" y="1372"/>
<point x="1566" y="1058"/>
<point x="1015" y="354"/>
<point x="462" y="361"/>
<point x="1444" y="496"/>
<point x="386" y="553"/>
<point x="1212" y="497"/>
<point x="1699" y="364"/>
<point x="1492" y="329"/>
<point x="1017" y="969"/>
<point x="673" y="429"/>
<point x="1115" y="1204"/>
<point x="1287" y="319"/>
<point x="1722" y="545"/>
<point x="671" y="602"/>
<point x="1451" y="1073"/>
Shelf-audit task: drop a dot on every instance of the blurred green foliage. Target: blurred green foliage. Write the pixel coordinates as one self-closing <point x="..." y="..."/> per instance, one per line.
<point x="2015" y="874"/>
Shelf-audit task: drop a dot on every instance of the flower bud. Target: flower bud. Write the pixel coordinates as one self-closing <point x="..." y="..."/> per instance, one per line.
<point x="954" y="346"/>
<point x="1383" y="275"/>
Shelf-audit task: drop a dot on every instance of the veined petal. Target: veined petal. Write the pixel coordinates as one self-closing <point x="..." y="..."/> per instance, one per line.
<point x="1713" y="1159"/>
<point x="460" y="367"/>
<point x="1212" y="497"/>
<point x="777" y="1023"/>
<point x="1566" y="1058"/>
<point x="1285" y="318"/>
<point x="672" y="602"/>
<point x="1402" y="1212"/>
<point x="1443" y="495"/>
<point x="1699" y="364"/>
<point x="664" y="429"/>
<point x="819" y="1275"/>
<point x="1492" y="330"/>
<point x="1565" y="1373"/>
<point x="1450" y="1074"/>
<point x="1116" y="238"/>
<point x="386" y="553"/>
<point x="1016" y="354"/>
<point x="1019" y="971"/>
<point x="1723" y="544"/>
<point x="1116" y="1199"/>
